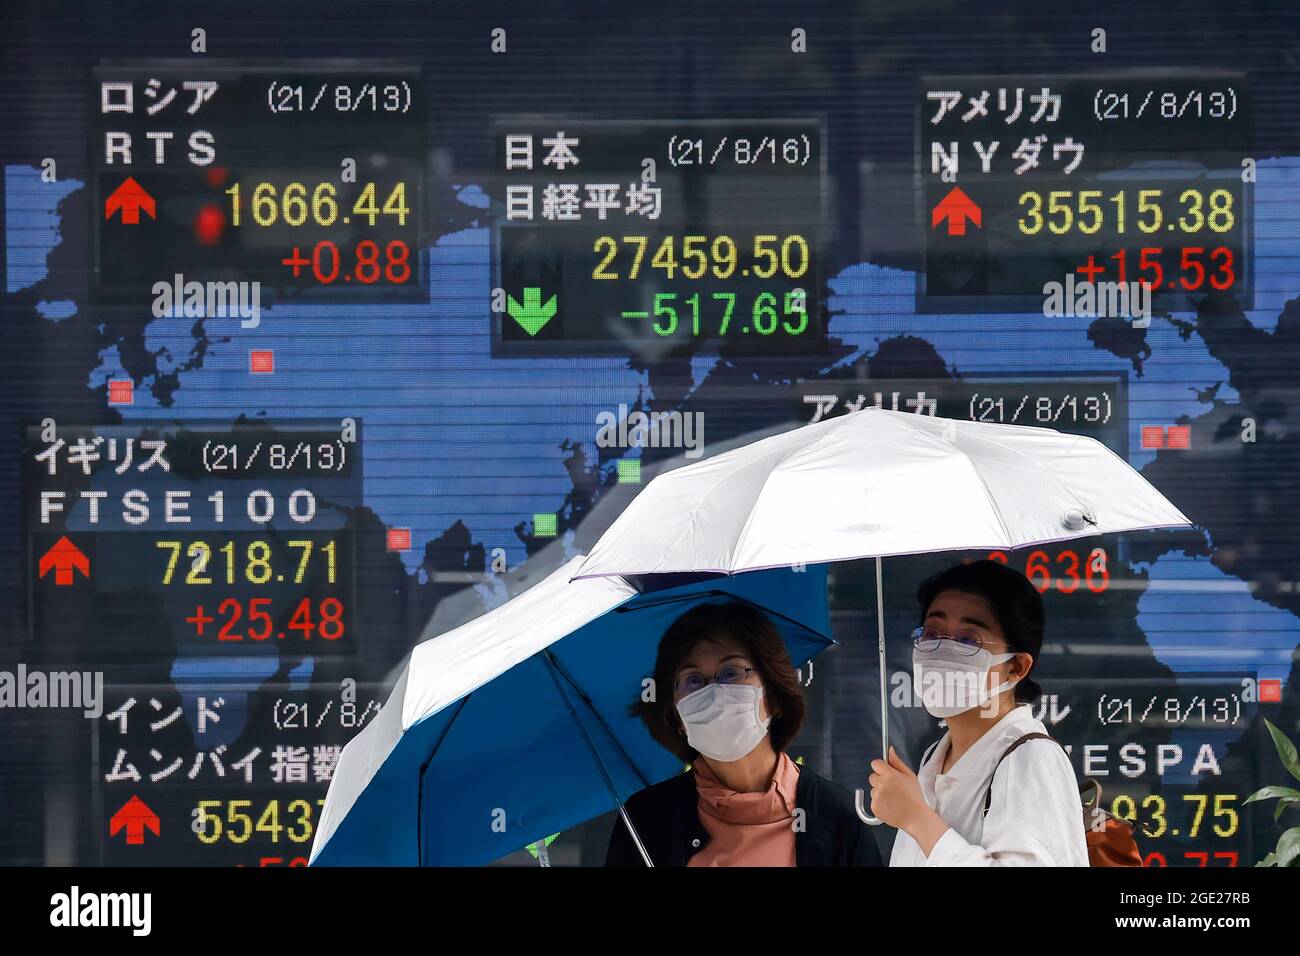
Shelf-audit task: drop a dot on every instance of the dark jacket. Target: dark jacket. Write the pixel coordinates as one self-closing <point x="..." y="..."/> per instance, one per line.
<point x="666" y="817"/>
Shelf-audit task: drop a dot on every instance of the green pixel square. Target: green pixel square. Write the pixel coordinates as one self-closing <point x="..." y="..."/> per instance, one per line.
<point x="629" y="471"/>
<point x="544" y="525"/>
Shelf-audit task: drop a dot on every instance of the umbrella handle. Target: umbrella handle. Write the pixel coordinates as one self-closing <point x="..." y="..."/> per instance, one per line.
<point x="868" y="819"/>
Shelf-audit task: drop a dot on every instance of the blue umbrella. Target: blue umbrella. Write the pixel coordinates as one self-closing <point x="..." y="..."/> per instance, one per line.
<point x="517" y="725"/>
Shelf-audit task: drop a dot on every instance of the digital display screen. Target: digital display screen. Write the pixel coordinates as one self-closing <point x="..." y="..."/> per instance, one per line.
<point x="332" y="327"/>
<point x="1100" y="178"/>
<point x="720" y="248"/>
<point x="203" y="164"/>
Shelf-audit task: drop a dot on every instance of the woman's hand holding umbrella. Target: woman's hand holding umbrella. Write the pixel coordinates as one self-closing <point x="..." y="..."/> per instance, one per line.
<point x="896" y="799"/>
<point x="875" y="483"/>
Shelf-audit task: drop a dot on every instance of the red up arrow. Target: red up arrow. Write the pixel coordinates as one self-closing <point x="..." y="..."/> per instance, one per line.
<point x="136" y="816"/>
<point x="64" y="558"/>
<point x="129" y="197"/>
<point x="956" y="208"/>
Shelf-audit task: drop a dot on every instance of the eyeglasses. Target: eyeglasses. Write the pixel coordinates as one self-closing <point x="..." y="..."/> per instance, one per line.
<point x="690" y="682"/>
<point x="964" y="640"/>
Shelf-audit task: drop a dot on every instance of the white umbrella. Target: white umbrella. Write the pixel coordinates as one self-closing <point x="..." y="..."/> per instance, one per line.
<point x="876" y="483"/>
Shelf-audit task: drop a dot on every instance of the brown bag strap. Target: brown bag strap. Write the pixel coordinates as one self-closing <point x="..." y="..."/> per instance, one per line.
<point x="1089" y="786"/>
<point x="988" y="794"/>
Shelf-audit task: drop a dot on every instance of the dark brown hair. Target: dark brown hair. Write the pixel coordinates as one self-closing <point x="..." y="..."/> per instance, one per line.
<point x="761" y="640"/>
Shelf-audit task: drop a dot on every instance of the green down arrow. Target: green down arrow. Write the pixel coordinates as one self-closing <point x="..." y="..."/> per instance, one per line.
<point x="532" y="315"/>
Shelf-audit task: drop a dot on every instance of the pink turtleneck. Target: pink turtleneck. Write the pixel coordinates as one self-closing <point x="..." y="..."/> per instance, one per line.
<point x="747" y="829"/>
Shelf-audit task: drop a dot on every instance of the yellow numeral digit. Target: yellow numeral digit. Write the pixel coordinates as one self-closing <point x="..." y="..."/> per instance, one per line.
<point x="365" y="204"/>
<point x="395" y="204"/>
<point x="171" y="562"/>
<point x="302" y="564"/>
<point x="201" y="554"/>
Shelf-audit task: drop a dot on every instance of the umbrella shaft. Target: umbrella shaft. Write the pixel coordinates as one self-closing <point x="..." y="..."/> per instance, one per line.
<point x="636" y="837"/>
<point x="884" y="690"/>
<point x="554" y="668"/>
<point x="860" y="795"/>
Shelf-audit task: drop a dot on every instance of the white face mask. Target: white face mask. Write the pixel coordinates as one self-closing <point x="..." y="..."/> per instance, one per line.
<point x="722" y="720"/>
<point x="950" y="682"/>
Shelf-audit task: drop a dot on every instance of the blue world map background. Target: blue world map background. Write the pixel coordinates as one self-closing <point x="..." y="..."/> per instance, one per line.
<point x="464" y="448"/>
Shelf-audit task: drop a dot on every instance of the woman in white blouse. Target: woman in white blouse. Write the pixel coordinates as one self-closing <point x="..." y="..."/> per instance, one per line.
<point x="981" y="632"/>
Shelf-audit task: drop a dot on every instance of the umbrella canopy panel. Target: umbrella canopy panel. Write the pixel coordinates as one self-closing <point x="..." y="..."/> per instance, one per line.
<point x="876" y="483"/>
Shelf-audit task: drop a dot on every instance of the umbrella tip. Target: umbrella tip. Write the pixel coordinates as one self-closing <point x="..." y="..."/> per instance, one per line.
<point x="1076" y="520"/>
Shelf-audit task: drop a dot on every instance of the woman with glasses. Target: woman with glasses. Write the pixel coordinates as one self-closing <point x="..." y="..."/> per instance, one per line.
<point x="728" y="701"/>
<point x="975" y="801"/>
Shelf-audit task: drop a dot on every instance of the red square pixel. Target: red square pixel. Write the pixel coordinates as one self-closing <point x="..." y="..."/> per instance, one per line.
<point x="121" y="392"/>
<point x="1153" y="436"/>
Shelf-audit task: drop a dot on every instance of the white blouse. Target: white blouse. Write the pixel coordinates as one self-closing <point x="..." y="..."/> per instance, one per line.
<point x="1035" y="816"/>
